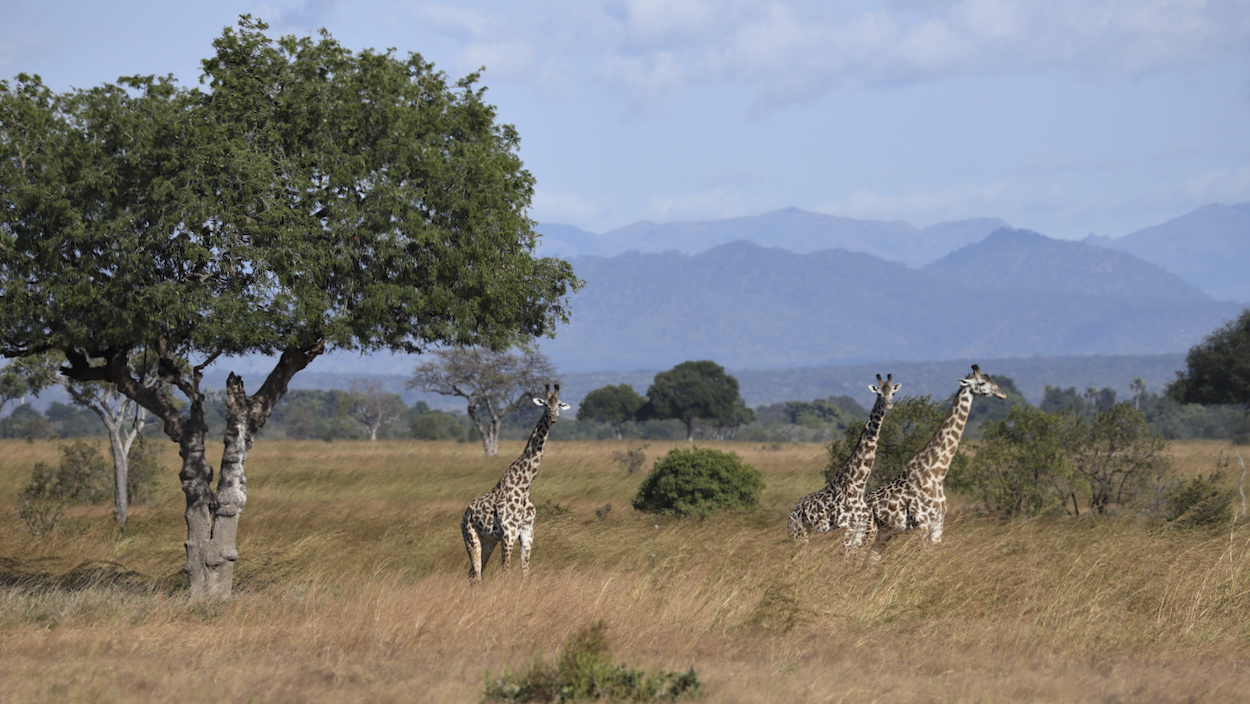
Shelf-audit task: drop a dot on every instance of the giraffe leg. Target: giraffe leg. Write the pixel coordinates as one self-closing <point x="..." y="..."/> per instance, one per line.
<point x="527" y="541"/>
<point x="473" y="545"/>
<point x="506" y="545"/>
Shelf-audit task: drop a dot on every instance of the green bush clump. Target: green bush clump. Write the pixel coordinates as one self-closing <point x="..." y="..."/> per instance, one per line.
<point x="83" y="477"/>
<point x="1202" y="501"/>
<point x="692" y="481"/>
<point x="585" y="671"/>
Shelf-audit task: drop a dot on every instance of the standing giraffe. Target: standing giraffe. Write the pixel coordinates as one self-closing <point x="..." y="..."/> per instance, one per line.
<point x="917" y="498"/>
<point x="841" y="503"/>
<point x="506" y="513"/>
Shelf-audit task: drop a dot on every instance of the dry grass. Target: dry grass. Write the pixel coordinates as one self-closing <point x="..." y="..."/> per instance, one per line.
<point x="351" y="587"/>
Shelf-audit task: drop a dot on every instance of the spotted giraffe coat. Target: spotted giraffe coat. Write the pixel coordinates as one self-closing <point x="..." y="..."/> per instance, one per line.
<point x="917" y="498"/>
<point x="505" y="514"/>
<point x="840" y="504"/>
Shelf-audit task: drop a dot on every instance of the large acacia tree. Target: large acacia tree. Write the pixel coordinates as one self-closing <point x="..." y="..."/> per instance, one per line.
<point x="307" y="198"/>
<point x="695" y="390"/>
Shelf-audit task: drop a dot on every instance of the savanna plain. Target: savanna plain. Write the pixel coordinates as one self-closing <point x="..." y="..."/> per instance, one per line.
<point x="351" y="587"/>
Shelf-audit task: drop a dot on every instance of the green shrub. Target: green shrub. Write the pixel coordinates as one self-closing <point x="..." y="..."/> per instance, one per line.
<point x="584" y="671"/>
<point x="699" y="481"/>
<point x="143" y="464"/>
<point x="1202" y="501"/>
<point x="83" y="477"/>
<point x="904" y="432"/>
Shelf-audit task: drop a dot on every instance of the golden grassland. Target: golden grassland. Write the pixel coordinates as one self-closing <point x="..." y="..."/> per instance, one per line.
<point x="351" y="587"/>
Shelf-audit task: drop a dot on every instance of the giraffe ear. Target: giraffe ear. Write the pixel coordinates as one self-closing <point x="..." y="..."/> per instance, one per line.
<point x="539" y="402"/>
<point x="897" y="387"/>
<point x="873" y="388"/>
<point x="564" y="406"/>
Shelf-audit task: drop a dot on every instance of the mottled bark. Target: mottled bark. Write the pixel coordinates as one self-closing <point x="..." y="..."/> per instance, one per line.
<point x="212" y="516"/>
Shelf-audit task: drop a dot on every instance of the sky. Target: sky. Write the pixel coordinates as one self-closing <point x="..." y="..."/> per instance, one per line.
<point x="1062" y="116"/>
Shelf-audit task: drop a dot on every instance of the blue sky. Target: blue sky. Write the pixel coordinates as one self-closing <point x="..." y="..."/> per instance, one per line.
<point x="1062" y="116"/>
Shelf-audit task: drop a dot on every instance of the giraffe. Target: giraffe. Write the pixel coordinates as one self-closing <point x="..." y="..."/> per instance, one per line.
<point x="917" y="499"/>
<point x="840" y="504"/>
<point x="505" y="513"/>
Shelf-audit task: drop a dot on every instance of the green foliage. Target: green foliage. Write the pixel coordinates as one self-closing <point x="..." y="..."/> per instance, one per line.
<point x="694" y="390"/>
<point x="1200" y="502"/>
<point x="905" y="429"/>
<point x="838" y="411"/>
<point x="584" y="671"/>
<point x="699" y="481"/>
<point x="26" y="423"/>
<point x="1117" y="456"/>
<point x="1034" y="462"/>
<point x="82" y="477"/>
<point x="1020" y="468"/>
<point x="611" y="404"/>
<point x="438" y="425"/>
<point x="143" y="467"/>
<point x="1217" y="370"/>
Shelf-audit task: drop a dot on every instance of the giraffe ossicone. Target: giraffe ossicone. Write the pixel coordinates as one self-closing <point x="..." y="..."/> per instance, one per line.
<point x="917" y="498"/>
<point x="505" y="514"/>
<point x="841" y="503"/>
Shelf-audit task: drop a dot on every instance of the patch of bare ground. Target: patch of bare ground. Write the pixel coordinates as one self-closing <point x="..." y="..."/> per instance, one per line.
<point x="352" y="587"/>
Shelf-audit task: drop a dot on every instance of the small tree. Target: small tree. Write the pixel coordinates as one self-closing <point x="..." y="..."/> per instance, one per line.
<point x="699" y="481"/>
<point x="1021" y="467"/>
<point x="494" y="384"/>
<point x="1117" y="455"/>
<point x="611" y="404"/>
<point x="123" y="418"/>
<point x="373" y="406"/>
<point x="691" y="391"/>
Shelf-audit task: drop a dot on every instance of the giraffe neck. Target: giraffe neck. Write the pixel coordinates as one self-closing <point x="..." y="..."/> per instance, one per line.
<point x="859" y="465"/>
<point x="522" y="472"/>
<point x="935" y="458"/>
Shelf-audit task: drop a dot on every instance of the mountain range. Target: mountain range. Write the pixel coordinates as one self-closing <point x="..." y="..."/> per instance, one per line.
<point x="1208" y="247"/>
<point x="815" y="295"/>
<point x="1014" y="294"/>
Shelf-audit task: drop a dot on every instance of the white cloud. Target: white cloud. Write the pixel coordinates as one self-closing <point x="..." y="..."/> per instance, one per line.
<point x="1222" y="186"/>
<point x="923" y="206"/>
<point x="708" y="205"/>
<point x="567" y="208"/>
<point x="514" y="59"/>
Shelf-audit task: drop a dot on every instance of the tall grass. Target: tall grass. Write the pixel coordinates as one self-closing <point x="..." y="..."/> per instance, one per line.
<point x="352" y="586"/>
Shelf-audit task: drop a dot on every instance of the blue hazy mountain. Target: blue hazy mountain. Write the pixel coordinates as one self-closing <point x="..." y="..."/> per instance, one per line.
<point x="790" y="229"/>
<point x="1208" y="247"/>
<point x="748" y="306"/>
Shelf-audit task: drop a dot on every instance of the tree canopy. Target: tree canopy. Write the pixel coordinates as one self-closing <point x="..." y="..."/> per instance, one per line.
<point x="310" y="198"/>
<point x="611" y="404"/>
<point x="690" y="391"/>
<point x="1217" y="370"/>
<point x="493" y="383"/>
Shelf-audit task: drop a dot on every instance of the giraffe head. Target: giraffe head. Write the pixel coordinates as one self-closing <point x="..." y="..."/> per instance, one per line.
<point x="553" y="403"/>
<point x="981" y="384"/>
<point x="885" y="390"/>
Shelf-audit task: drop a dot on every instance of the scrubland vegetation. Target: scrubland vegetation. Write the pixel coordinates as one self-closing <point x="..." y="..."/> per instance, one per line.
<point x="351" y="586"/>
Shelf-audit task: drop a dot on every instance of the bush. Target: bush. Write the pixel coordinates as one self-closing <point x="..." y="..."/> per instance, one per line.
<point x="83" y="477"/>
<point x="699" y="481"/>
<point x="143" y="465"/>
<point x="584" y="671"/>
<point x="904" y="432"/>
<point x="1202" y="501"/>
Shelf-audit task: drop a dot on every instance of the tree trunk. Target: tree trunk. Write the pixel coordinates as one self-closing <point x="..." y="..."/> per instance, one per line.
<point x="121" y="468"/>
<point x="690" y="430"/>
